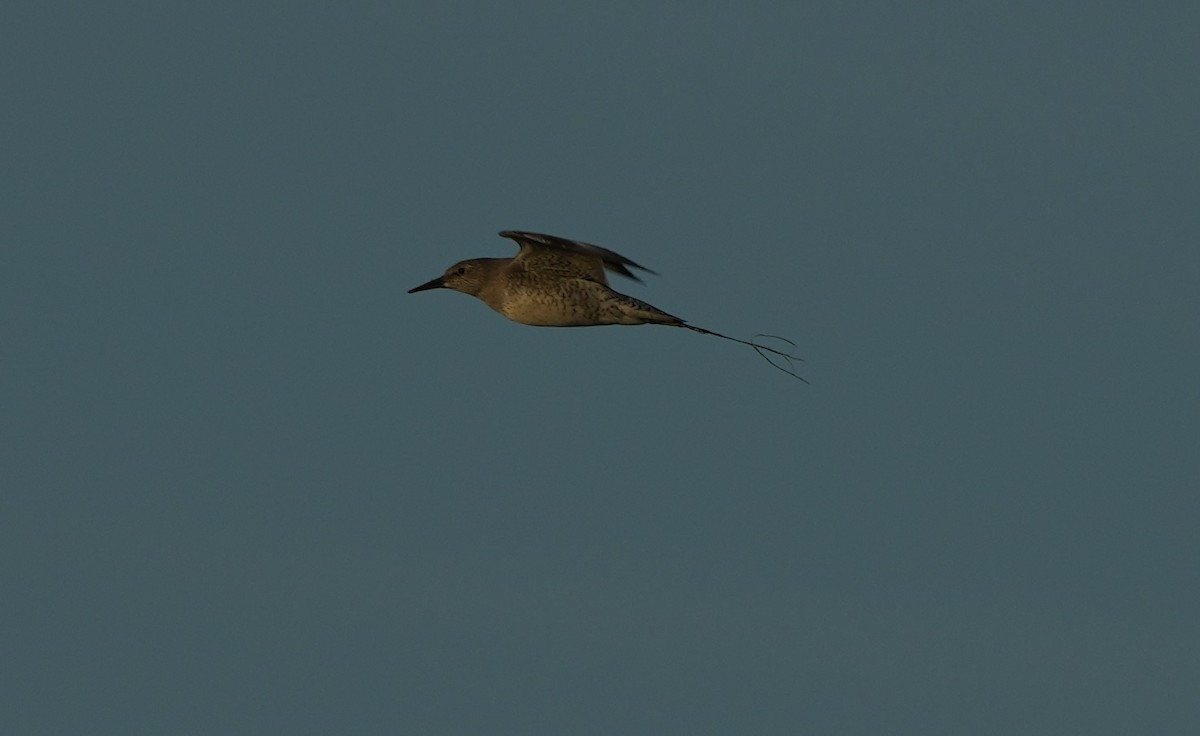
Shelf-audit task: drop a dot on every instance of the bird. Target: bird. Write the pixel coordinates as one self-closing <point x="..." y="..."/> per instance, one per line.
<point x="558" y="282"/>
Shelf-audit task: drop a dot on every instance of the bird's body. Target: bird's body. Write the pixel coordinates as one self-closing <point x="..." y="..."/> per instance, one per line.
<point x="555" y="282"/>
<point x="570" y="303"/>
<point x="552" y="282"/>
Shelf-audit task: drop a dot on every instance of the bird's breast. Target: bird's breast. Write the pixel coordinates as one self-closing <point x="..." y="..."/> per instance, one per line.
<point x="550" y="307"/>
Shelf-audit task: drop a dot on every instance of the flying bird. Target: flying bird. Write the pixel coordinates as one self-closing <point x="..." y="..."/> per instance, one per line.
<point x="556" y="282"/>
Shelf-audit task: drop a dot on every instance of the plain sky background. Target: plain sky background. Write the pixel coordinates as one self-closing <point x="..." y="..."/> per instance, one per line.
<point x="251" y="486"/>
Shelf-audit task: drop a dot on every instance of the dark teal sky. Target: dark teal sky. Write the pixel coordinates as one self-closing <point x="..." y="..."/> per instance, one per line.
<point x="251" y="486"/>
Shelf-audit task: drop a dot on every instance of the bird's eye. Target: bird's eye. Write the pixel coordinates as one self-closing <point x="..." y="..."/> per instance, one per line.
<point x="460" y="270"/>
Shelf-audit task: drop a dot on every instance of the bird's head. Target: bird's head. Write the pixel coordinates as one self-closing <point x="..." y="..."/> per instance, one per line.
<point x="464" y="276"/>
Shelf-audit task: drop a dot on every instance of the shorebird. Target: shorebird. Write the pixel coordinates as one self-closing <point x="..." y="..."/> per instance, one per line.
<point x="556" y="282"/>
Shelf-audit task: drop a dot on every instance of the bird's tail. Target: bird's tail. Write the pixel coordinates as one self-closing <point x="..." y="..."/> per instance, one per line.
<point x="623" y="309"/>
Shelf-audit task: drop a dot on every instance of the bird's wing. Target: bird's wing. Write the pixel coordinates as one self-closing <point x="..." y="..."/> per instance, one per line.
<point x="569" y="258"/>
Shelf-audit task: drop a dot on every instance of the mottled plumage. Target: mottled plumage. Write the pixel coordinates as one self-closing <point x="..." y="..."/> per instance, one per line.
<point x="550" y="254"/>
<point x="555" y="282"/>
